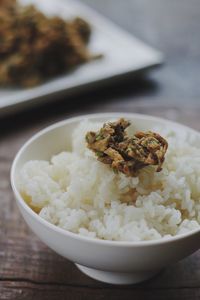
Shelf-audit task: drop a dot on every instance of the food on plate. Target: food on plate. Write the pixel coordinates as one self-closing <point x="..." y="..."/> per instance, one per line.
<point x="35" y="47"/>
<point x="127" y="154"/>
<point x="78" y="193"/>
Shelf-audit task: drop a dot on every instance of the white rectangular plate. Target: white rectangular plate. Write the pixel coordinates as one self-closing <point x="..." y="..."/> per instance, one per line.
<point x="123" y="55"/>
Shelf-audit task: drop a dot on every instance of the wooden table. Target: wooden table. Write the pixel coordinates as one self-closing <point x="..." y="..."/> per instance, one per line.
<point x="30" y="270"/>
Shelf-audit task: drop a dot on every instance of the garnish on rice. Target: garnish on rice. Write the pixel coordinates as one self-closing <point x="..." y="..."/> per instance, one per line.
<point x="126" y="154"/>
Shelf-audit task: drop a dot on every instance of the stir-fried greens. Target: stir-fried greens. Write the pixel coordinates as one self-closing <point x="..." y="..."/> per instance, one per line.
<point x="125" y="154"/>
<point x="35" y="47"/>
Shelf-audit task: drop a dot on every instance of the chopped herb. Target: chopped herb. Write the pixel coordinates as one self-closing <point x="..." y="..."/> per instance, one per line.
<point x="115" y="170"/>
<point x="99" y="153"/>
<point x="125" y="154"/>
<point x="98" y="137"/>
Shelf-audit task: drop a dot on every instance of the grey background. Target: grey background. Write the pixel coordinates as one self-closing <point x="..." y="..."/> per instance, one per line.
<point x="172" y="26"/>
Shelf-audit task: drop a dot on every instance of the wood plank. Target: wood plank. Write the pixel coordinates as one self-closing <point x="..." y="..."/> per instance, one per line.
<point x="24" y="290"/>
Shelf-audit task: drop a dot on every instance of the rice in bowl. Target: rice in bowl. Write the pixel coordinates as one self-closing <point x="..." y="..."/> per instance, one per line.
<point x="78" y="193"/>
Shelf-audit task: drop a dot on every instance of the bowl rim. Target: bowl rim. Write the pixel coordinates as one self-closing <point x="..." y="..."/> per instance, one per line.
<point x="77" y="236"/>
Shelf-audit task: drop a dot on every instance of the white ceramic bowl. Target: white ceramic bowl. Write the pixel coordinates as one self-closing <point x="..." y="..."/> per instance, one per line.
<point x="108" y="261"/>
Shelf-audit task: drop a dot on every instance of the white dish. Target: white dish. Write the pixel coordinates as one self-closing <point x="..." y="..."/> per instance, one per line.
<point x="123" y="55"/>
<point x="109" y="261"/>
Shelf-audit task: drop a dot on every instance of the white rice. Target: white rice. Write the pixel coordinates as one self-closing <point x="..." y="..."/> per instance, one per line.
<point x="76" y="192"/>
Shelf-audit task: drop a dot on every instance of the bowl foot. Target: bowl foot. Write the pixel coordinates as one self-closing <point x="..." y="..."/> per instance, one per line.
<point x="117" y="277"/>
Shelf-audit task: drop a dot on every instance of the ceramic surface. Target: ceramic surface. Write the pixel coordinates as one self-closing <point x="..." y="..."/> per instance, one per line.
<point x="123" y="55"/>
<point x="109" y="261"/>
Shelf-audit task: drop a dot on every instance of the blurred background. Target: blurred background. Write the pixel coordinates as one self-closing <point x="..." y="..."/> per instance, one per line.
<point x="172" y="27"/>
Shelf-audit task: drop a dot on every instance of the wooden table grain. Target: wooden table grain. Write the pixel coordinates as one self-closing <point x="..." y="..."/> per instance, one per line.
<point x="30" y="270"/>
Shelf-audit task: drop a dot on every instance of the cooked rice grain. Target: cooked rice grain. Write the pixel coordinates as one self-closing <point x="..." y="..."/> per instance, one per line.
<point x="77" y="193"/>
